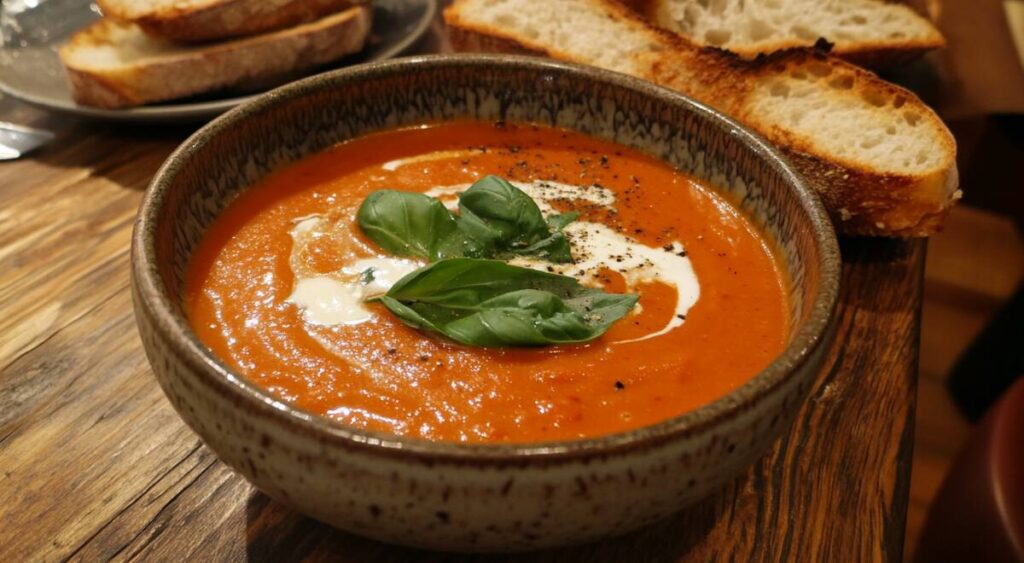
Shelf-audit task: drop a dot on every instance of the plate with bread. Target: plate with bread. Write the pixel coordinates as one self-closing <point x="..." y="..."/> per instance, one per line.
<point x="179" y="60"/>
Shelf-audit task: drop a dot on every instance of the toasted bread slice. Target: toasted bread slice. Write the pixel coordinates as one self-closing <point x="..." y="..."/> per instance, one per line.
<point x="115" y="65"/>
<point x="863" y="31"/>
<point x="193" y="21"/>
<point x="882" y="161"/>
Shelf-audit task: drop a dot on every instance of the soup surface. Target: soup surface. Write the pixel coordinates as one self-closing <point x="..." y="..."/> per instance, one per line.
<point x="711" y="312"/>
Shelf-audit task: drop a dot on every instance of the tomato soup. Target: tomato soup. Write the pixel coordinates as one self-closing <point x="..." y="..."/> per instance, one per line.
<point x="693" y="336"/>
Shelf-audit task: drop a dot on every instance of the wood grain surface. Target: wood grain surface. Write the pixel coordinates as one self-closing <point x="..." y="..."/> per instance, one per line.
<point x="95" y="464"/>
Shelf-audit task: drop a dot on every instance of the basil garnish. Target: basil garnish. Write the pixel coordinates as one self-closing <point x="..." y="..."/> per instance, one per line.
<point x="506" y="221"/>
<point x="562" y="220"/>
<point x="465" y="294"/>
<point x="410" y="224"/>
<point x="495" y="220"/>
<point x="490" y="303"/>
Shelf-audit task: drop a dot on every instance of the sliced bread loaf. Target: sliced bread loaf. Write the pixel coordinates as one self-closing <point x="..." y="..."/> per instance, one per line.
<point x="112" y="64"/>
<point x="861" y="30"/>
<point x="190" y="21"/>
<point x="882" y="161"/>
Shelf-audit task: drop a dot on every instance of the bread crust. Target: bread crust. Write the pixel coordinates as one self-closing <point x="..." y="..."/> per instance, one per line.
<point x="871" y="54"/>
<point x="223" y="19"/>
<point x="465" y="40"/>
<point x="214" y="67"/>
<point x="644" y="8"/>
<point x="861" y="201"/>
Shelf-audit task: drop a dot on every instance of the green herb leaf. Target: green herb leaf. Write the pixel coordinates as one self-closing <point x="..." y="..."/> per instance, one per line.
<point x="410" y="224"/>
<point x="491" y="303"/>
<point x="562" y="220"/>
<point x="496" y="220"/>
<point x="555" y="248"/>
<point x="500" y="214"/>
<point x="505" y="222"/>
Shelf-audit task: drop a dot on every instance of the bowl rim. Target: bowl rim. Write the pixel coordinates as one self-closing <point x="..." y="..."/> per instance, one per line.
<point x="152" y="298"/>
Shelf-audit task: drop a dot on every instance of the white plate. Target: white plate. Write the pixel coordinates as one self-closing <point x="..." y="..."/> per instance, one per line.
<point x="33" y="29"/>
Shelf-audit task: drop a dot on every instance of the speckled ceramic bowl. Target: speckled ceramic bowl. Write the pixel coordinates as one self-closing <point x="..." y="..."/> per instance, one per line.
<point x="475" y="497"/>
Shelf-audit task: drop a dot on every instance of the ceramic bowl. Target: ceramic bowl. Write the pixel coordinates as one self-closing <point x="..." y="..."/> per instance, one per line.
<point x="476" y="497"/>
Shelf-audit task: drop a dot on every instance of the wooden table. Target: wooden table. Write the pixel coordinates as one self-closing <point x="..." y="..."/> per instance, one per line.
<point x="95" y="464"/>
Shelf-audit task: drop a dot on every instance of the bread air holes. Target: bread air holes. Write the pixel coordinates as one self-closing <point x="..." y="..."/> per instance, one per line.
<point x="841" y="82"/>
<point x="760" y="30"/>
<point x="804" y="33"/>
<point x="820" y="70"/>
<point x="691" y="15"/>
<point x="780" y="90"/>
<point x="870" y="142"/>
<point x="875" y="98"/>
<point x="717" y="37"/>
<point x="506" y="20"/>
<point x="911" y="118"/>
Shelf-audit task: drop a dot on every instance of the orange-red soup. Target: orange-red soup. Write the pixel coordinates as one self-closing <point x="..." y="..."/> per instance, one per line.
<point x="384" y="375"/>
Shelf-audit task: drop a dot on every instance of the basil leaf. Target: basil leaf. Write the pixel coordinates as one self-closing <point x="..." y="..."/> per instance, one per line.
<point x="410" y="224"/>
<point x="562" y="220"/>
<point x="496" y="220"/>
<point x="495" y="211"/>
<point x="506" y="221"/>
<point x="491" y="303"/>
<point x="555" y="248"/>
<point x="524" y="317"/>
